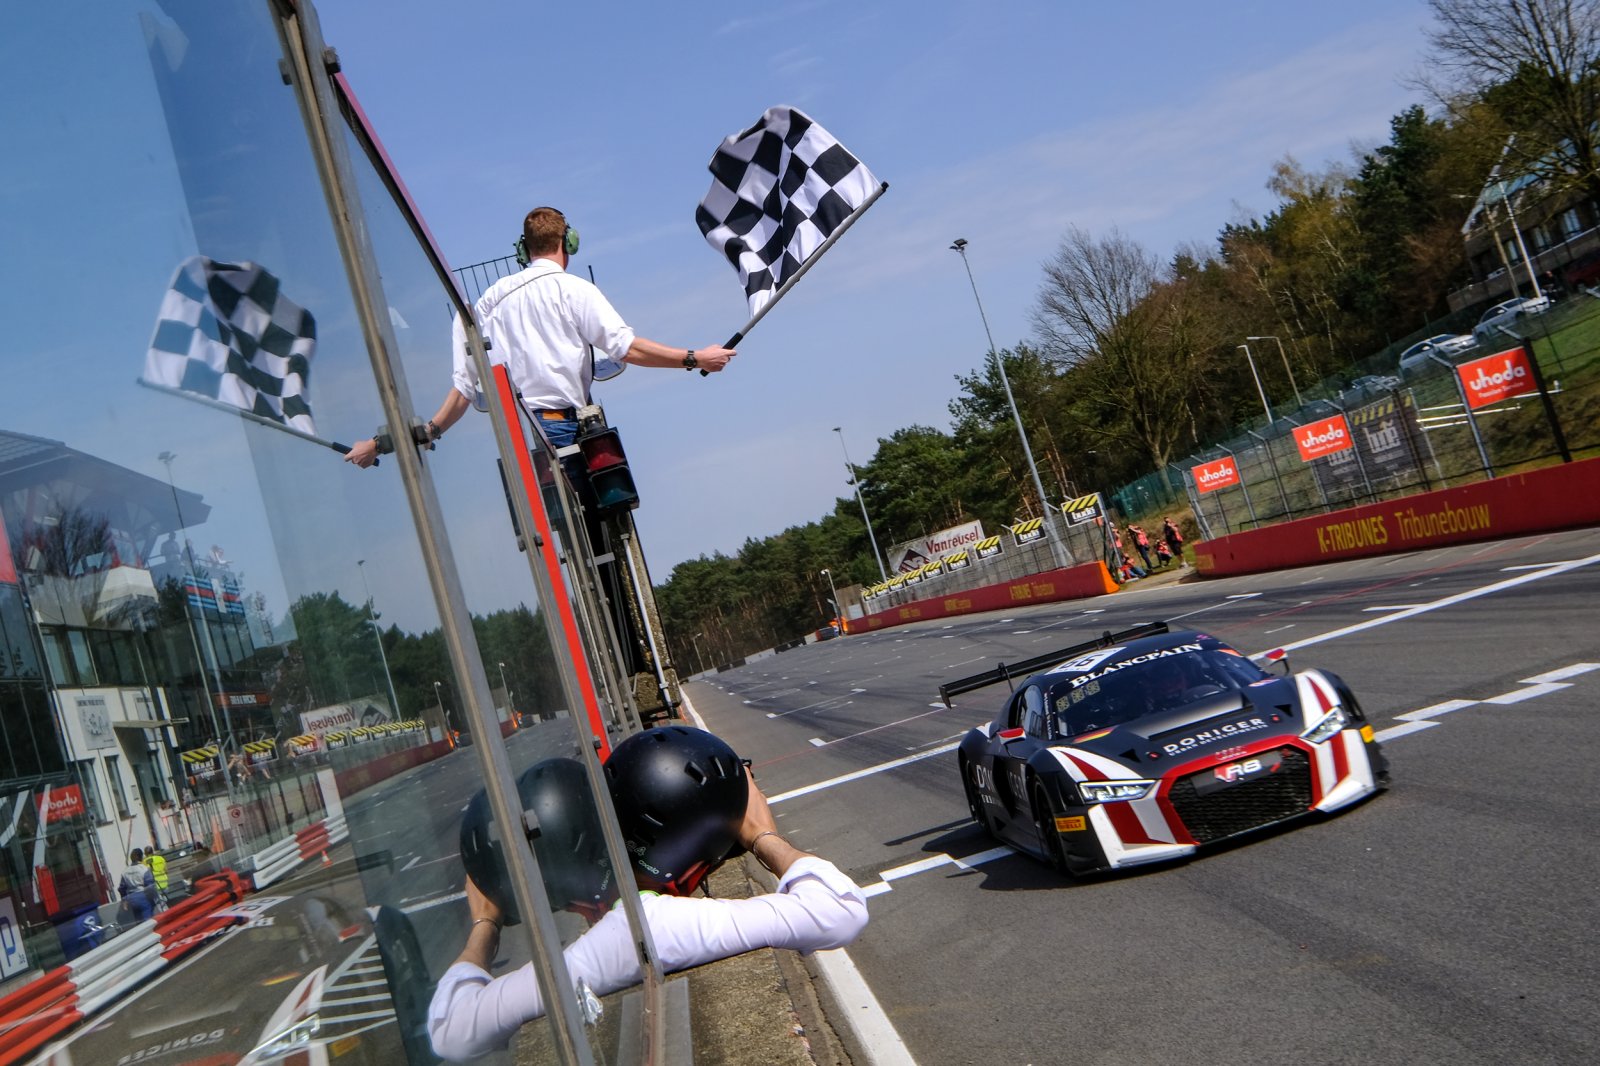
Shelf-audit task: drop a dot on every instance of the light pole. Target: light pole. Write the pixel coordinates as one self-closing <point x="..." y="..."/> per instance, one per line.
<point x="449" y="728"/>
<point x="166" y="459"/>
<point x="377" y="634"/>
<point x="1058" y="547"/>
<point x="856" y="482"/>
<point x="699" y="659"/>
<point x="1516" y="232"/>
<point x="504" y="687"/>
<point x="1263" y="392"/>
<point x="1285" y="357"/>
<point x="838" y="612"/>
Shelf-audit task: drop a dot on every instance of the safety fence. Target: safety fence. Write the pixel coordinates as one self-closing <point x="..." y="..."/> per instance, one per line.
<point x="58" y="1000"/>
<point x="1519" y="397"/>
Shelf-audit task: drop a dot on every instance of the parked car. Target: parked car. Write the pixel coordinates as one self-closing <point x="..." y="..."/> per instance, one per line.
<point x="1415" y="358"/>
<point x="1507" y="312"/>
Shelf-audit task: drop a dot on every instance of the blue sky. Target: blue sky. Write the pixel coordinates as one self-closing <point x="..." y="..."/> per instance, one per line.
<point x="1001" y="123"/>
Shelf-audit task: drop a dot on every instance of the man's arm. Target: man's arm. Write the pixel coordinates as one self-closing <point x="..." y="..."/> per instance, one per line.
<point x="646" y="352"/>
<point x="364" y="453"/>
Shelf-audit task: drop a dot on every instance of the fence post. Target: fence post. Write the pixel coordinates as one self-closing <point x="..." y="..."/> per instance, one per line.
<point x="1249" y="504"/>
<point x="1273" y="462"/>
<point x="1466" y="406"/>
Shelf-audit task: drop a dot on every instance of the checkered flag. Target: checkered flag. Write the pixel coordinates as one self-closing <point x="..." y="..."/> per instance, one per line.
<point x="781" y="191"/>
<point x="226" y="334"/>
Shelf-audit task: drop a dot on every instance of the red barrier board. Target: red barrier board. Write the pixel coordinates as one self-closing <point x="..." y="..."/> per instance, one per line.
<point x="1501" y="376"/>
<point x="1326" y="437"/>
<point x="1557" y="497"/>
<point x="1074" y="582"/>
<point x="1209" y="477"/>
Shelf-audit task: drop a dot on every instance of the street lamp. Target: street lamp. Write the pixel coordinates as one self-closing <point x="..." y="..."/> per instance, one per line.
<point x="699" y="659"/>
<point x="438" y="698"/>
<point x="1285" y="356"/>
<point x="1263" y="392"/>
<point x="856" y="482"/>
<point x="506" y="688"/>
<point x="377" y="634"/>
<point x="1058" y="548"/>
<point x="838" y="613"/>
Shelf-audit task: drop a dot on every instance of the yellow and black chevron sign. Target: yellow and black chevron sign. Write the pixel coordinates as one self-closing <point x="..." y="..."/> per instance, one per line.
<point x="1027" y="531"/>
<point x="200" y="755"/>
<point x="261" y="747"/>
<point x="957" y="561"/>
<point x="1372" y="412"/>
<point x="987" y="548"/>
<point x="1083" y="509"/>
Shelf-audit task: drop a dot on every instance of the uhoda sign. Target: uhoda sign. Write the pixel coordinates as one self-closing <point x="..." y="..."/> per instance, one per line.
<point x="1209" y="477"/>
<point x="1502" y="376"/>
<point x="1326" y="437"/>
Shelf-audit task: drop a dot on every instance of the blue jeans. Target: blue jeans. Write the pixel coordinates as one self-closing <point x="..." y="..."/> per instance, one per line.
<point x="560" y="433"/>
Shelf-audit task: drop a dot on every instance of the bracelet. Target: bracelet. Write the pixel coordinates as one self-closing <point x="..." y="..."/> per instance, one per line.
<point x="758" y="836"/>
<point x="491" y="921"/>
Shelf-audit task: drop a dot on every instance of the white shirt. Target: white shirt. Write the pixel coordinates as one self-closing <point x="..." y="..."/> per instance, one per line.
<point x="539" y="323"/>
<point x="815" y="907"/>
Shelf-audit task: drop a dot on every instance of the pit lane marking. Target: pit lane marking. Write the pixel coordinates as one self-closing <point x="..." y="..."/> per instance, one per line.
<point x="932" y="862"/>
<point x="1538" y="685"/>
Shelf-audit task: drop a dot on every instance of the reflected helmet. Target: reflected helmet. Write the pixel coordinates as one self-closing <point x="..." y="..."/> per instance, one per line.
<point x="569" y="844"/>
<point x="680" y="794"/>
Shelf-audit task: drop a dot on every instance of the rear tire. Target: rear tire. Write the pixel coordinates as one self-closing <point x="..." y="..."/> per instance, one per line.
<point x="974" y="801"/>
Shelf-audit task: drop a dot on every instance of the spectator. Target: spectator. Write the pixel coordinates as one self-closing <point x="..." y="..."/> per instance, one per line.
<point x="158" y="870"/>
<point x="1174" y="539"/>
<point x="1141" y="542"/>
<point x="137" y="887"/>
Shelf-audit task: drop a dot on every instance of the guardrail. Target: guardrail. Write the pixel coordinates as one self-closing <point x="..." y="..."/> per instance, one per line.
<point x="60" y="999"/>
<point x="273" y="862"/>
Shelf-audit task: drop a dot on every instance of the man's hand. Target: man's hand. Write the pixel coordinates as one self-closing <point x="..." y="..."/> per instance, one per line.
<point x="758" y="833"/>
<point x="481" y="906"/>
<point x="712" y="360"/>
<point x="363" y="453"/>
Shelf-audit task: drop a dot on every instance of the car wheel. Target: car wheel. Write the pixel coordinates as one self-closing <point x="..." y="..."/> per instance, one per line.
<point x="974" y="801"/>
<point x="1044" y="818"/>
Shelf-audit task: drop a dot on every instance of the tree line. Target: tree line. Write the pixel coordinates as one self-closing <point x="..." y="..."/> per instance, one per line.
<point x="1134" y="361"/>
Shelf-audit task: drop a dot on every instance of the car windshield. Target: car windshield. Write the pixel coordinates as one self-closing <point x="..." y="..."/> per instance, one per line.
<point x="1111" y="697"/>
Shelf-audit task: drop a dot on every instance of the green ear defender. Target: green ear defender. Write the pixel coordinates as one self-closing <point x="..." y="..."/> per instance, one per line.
<point x="569" y="242"/>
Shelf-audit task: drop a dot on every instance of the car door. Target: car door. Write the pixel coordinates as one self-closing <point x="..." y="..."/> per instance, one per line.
<point x="1023" y="735"/>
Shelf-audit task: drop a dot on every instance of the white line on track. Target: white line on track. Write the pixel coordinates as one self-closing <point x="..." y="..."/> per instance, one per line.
<point x="1518" y="695"/>
<point x="1393" y="607"/>
<point x="818" y="742"/>
<point x="1437" y="709"/>
<point x="858" y="774"/>
<point x="1280" y="629"/>
<point x="1532" y="566"/>
<point x="1562" y="674"/>
<point x="874" y="1031"/>
<point x="1244" y="595"/>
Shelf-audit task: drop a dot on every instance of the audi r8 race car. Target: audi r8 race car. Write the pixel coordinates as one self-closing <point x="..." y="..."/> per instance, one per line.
<point x="1146" y="744"/>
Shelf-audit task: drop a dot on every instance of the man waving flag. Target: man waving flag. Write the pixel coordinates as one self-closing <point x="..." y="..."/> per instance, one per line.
<point x="781" y="193"/>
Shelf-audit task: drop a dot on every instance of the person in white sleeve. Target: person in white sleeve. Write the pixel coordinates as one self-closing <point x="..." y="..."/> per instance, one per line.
<point x="545" y="325"/>
<point x="685" y="802"/>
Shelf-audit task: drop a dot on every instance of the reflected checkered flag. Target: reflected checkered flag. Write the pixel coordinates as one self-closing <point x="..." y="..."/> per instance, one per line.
<point x="781" y="193"/>
<point x="226" y="334"/>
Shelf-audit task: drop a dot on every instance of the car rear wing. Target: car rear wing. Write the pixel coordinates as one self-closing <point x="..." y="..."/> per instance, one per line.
<point x="1006" y="671"/>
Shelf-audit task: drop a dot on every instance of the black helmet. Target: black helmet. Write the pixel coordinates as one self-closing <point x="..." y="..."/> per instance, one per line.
<point x="680" y="794"/>
<point x="570" y="847"/>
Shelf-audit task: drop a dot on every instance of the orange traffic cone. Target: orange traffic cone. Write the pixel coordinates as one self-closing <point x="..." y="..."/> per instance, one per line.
<point x="325" y="860"/>
<point x="216" y="837"/>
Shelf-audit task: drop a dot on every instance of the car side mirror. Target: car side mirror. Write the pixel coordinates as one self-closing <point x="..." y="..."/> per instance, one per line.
<point x="1008" y="735"/>
<point x="1280" y="657"/>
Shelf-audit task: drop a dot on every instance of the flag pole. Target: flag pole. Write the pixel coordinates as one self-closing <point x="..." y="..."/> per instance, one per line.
<point x="789" y="282"/>
<point x="342" y="449"/>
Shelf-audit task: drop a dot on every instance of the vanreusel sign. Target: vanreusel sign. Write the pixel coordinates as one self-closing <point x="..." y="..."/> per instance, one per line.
<point x="1502" y="376"/>
<point x="1209" y="477"/>
<point x="1326" y="437"/>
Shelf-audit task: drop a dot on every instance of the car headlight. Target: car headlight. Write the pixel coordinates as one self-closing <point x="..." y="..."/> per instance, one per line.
<point x="1326" y="726"/>
<point x="1110" y="791"/>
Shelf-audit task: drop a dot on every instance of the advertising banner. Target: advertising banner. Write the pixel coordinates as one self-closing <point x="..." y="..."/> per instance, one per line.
<point x="1326" y="437"/>
<point x="1209" y="477"/>
<point x="60" y="803"/>
<point x="13" y="952"/>
<point x="914" y="554"/>
<point x="8" y="571"/>
<point x="1501" y="376"/>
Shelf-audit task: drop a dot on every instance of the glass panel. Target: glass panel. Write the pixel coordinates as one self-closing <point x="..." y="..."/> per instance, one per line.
<point x="182" y="354"/>
<point x="512" y="629"/>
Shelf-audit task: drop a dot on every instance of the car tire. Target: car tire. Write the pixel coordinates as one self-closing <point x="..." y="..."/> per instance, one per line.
<point x="974" y="802"/>
<point x="1044" y="816"/>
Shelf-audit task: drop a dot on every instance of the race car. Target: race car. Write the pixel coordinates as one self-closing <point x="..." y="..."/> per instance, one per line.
<point x="1145" y="745"/>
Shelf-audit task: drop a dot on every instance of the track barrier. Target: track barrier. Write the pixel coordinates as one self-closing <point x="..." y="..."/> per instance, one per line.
<point x="1071" y="583"/>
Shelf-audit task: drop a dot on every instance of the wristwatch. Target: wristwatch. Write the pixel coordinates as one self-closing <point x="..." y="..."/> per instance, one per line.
<point x="689" y="361"/>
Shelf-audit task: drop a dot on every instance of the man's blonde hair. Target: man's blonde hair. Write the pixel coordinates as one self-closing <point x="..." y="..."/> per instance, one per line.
<point x="544" y="230"/>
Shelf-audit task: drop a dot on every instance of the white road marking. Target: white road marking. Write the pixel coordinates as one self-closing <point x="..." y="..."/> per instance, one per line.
<point x="1244" y="595"/>
<point x="1533" y="566"/>
<point x="858" y="774"/>
<point x="1518" y="695"/>
<point x="963" y="662"/>
<point x="1448" y="601"/>
<point x="1437" y="709"/>
<point x="1562" y="674"/>
<point x="818" y="742"/>
<point x="1396" y="731"/>
<point x="1394" y="607"/>
<point x="874" y="1031"/>
<point x="1280" y="629"/>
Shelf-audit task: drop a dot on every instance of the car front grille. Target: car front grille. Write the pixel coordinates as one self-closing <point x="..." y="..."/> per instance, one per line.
<point x="1247" y="805"/>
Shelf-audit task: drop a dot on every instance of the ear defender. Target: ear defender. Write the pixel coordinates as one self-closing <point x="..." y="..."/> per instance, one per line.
<point x="569" y="241"/>
<point x="521" y="248"/>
